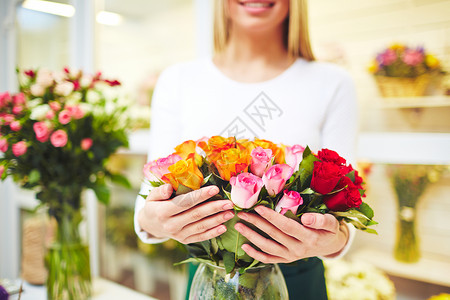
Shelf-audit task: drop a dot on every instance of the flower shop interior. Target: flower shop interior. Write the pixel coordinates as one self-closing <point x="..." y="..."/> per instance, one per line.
<point x="403" y="148"/>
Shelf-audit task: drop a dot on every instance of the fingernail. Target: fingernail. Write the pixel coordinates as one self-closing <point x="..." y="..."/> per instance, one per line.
<point x="228" y="216"/>
<point x="260" y="210"/>
<point x="308" y="219"/>
<point x="213" y="191"/>
<point x="221" y="229"/>
<point x="243" y="216"/>
<point x="227" y="206"/>
<point x="238" y="226"/>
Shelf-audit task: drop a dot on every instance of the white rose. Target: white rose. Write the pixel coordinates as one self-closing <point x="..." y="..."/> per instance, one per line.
<point x="39" y="112"/>
<point x="44" y="77"/>
<point x="92" y="97"/>
<point x="33" y="103"/>
<point x="64" y="89"/>
<point x="86" y="108"/>
<point x="73" y="98"/>
<point x="37" y="90"/>
<point x="59" y="76"/>
<point x="86" y="80"/>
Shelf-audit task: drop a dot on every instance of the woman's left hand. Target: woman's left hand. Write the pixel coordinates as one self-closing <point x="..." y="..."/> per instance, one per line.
<point x="319" y="235"/>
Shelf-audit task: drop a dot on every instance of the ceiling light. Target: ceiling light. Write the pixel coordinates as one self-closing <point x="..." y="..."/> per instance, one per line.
<point x="109" y="18"/>
<point x="49" y="7"/>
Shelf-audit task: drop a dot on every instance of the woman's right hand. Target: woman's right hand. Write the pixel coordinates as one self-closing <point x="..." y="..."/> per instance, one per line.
<point x="185" y="218"/>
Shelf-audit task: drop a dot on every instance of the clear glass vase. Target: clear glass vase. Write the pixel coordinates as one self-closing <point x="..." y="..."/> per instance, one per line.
<point x="212" y="282"/>
<point x="67" y="258"/>
<point x="407" y="245"/>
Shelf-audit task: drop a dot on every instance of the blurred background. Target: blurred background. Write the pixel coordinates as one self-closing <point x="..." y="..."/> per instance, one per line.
<point x="403" y="140"/>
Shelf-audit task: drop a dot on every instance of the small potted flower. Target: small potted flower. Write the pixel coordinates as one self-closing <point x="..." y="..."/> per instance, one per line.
<point x="401" y="71"/>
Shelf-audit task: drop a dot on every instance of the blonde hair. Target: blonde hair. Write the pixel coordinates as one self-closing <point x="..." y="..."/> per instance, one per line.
<point x="296" y="33"/>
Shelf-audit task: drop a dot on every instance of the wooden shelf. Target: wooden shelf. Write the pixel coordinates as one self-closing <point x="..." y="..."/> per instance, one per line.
<point x="413" y="102"/>
<point x="428" y="269"/>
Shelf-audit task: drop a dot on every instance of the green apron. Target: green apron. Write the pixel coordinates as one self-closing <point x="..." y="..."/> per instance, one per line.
<point x="305" y="279"/>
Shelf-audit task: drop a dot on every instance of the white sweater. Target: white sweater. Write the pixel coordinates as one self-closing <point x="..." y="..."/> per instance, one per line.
<point x="310" y="103"/>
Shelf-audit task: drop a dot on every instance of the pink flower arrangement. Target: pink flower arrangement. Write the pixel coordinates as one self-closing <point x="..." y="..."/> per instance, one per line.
<point x="49" y="135"/>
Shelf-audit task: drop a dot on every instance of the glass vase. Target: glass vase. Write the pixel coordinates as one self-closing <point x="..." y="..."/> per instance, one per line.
<point x="67" y="258"/>
<point x="212" y="282"/>
<point x="406" y="242"/>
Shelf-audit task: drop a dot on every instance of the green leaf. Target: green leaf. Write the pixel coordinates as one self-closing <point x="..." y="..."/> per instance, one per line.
<point x="228" y="261"/>
<point x="227" y="194"/>
<point x="366" y="210"/>
<point x="307" y="191"/>
<point x="193" y="260"/>
<point x="214" y="246"/>
<point x="156" y="183"/>
<point x="182" y="189"/>
<point x="290" y="215"/>
<point x="102" y="192"/>
<point x="351" y="175"/>
<point x="120" y="179"/>
<point x="34" y="176"/>
<point x="206" y="179"/>
<point x="232" y="240"/>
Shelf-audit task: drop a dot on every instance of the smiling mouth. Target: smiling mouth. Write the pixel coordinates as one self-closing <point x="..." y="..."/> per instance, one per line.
<point x="257" y="4"/>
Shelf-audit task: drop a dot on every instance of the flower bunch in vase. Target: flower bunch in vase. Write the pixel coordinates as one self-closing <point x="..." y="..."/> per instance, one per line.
<point x="288" y="179"/>
<point x="402" y="71"/>
<point x="56" y="136"/>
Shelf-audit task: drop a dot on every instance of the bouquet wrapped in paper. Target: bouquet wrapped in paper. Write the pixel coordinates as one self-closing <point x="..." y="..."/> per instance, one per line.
<point x="288" y="179"/>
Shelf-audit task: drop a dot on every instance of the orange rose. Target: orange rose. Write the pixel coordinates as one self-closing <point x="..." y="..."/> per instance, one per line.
<point x="184" y="172"/>
<point x="232" y="162"/>
<point x="187" y="150"/>
<point x="277" y="151"/>
<point x="215" y="145"/>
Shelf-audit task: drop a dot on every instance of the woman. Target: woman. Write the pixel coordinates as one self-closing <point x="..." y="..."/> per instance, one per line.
<point x="262" y="81"/>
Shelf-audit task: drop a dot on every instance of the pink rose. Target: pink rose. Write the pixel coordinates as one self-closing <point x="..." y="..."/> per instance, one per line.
<point x="156" y="169"/>
<point x="2" y="169"/>
<point x="17" y="109"/>
<point x="59" y="138"/>
<point x="275" y="178"/>
<point x="19" y="99"/>
<point x="290" y="201"/>
<point x="7" y="118"/>
<point x="86" y="144"/>
<point x="42" y="131"/>
<point x="3" y="145"/>
<point x="294" y="156"/>
<point x="55" y="105"/>
<point x="64" y="117"/>
<point x="50" y="115"/>
<point x="75" y="112"/>
<point x="413" y="57"/>
<point x="15" y="126"/>
<point x="245" y="189"/>
<point x="260" y="160"/>
<point x="19" y="148"/>
<point x="5" y="98"/>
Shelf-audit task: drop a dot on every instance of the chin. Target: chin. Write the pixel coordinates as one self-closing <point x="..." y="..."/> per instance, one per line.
<point x="258" y="15"/>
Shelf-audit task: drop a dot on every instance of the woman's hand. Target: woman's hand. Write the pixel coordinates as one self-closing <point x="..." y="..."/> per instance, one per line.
<point x="185" y="218"/>
<point x="320" y="235"/>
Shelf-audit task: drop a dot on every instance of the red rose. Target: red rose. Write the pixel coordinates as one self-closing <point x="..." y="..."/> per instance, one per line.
<point x="330" y="156"/>
<point x="325" y="177"/>
<point x="345" y="199"/>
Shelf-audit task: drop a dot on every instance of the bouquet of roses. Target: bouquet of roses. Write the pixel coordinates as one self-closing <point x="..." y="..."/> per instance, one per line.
<point x="289" y="179"/>
<point x="57" y="133"/>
